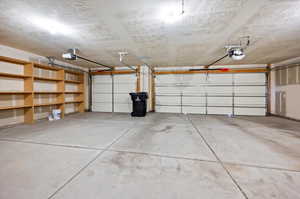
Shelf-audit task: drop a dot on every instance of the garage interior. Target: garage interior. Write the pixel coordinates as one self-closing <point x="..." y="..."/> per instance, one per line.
<point x="223" y="86"/>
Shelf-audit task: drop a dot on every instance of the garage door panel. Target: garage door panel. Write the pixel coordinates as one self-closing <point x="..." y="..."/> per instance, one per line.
<point x="102" y="92"/>
<point x="123" y="85"/>
<point x="219" y="110"/>
<point x="167" y="90"/>
<point x="101" y="107"/>
<point x="102" y="98"/>
<point x="169" y="79"/>
<point x="220" y="79"/>
<point x="102" y="88"/>
<point x="194" y="109"/>
<point x="193" y="79"/>
<point x="219" y="101"/>
<point x="250" y="111"/>
<point x="200" y="101"/>
<point x="168" y="100"/>
<point x="123" y="108"/>
<point x="252" y="79"/>
<point x="250" y="90"/>
<point x="124" y="88"/>
<point x="168" y="109"/>
<point x="102" y="79"/>
<point x="125" y="78"/>
<point x="122" y="98"/>
<point x="194" y="89"/>
<point x="250" y="101"/>
<point x="219" y="90"/>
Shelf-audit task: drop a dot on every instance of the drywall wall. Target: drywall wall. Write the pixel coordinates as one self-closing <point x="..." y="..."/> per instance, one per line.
<point x="16" y="116"/>
<point x="285" y="89"/>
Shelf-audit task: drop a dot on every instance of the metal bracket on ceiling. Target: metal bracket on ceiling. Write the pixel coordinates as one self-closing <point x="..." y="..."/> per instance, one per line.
<point x="122" y="55"/>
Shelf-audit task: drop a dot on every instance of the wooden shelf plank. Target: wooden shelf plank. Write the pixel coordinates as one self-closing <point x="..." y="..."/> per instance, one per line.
<point x="73" y="92"/>
<point x="73" y="101"/>
<point x="47" y="79"/>
<point x="73" y="72"/>
<point x="15" y="107"/>
<point x="73" y="81"/>
<point x="13" y="61"/>
<point x="14" y="92"/>
<point x="13" y="75"/>
<point x="48" y="104"/>
<point x="46" y="67"/>
<point x="47" y="92"/>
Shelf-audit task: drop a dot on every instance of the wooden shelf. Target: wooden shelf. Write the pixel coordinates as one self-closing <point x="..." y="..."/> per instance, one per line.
<point x="47" y="92"/>
<point x="73" y="81"/>
<point x="13" y="60"/>
<point x="14" y="75"/>
<point x="15" y="92"/>
<point x="73" y="101"/>
<point x="47" y="79"/>
<point x="48" y="104"/>
<point x="73" y="92"/>
<point x="73" y="72"/>
<point x="46" y="67"/>
<point x="28" y="89"/>
<point x="14" y="107"/>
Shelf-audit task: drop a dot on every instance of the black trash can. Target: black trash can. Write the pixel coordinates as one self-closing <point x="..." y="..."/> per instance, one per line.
<point x="139" y="104"/>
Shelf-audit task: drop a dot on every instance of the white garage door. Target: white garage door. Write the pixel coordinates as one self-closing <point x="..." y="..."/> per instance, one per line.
<point x="102" y="93"/>
<point x="123" y="85"/>
<point x="111" y="93"/>
<point x="238" y="94"/>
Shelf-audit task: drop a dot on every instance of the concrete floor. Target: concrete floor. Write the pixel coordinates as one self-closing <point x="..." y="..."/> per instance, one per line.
<point x="169" y="156"/>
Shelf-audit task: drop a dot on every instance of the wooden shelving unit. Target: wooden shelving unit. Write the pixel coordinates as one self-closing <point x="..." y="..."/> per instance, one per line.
<point x="79" y="93"/>
<point x="28" y="92"/>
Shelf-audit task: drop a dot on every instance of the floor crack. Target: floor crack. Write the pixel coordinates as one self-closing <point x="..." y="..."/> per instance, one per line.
<point x="218" y="159"/>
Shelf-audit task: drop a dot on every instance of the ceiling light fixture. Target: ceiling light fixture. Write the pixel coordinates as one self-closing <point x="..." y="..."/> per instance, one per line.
<point x="236" y="53"/>
<point x="171" y="14"/>
<point x="50" y="25"/>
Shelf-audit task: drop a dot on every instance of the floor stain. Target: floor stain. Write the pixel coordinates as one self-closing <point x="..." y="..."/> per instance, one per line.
<point x="166" y="129"/>
<point x="275" y="145"/>
<point x="289" y="178"/>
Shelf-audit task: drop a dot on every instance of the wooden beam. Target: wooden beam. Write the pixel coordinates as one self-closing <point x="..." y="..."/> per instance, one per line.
<point x="153" y="91"/>
<point x="114" y="72"/>
<point x="29" y="99"/>
<point x="269" y="94"/>
<point x="60" y="87"/>
<point x="46" y="67"/>
<point x="138" y="79"/>
<point x="13" y="60"/>
<point x="245" y="70"/>
<point x="81" y="97"/>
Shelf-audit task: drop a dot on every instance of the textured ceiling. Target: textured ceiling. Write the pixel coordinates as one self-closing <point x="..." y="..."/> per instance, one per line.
<point x="103" y="28"/>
